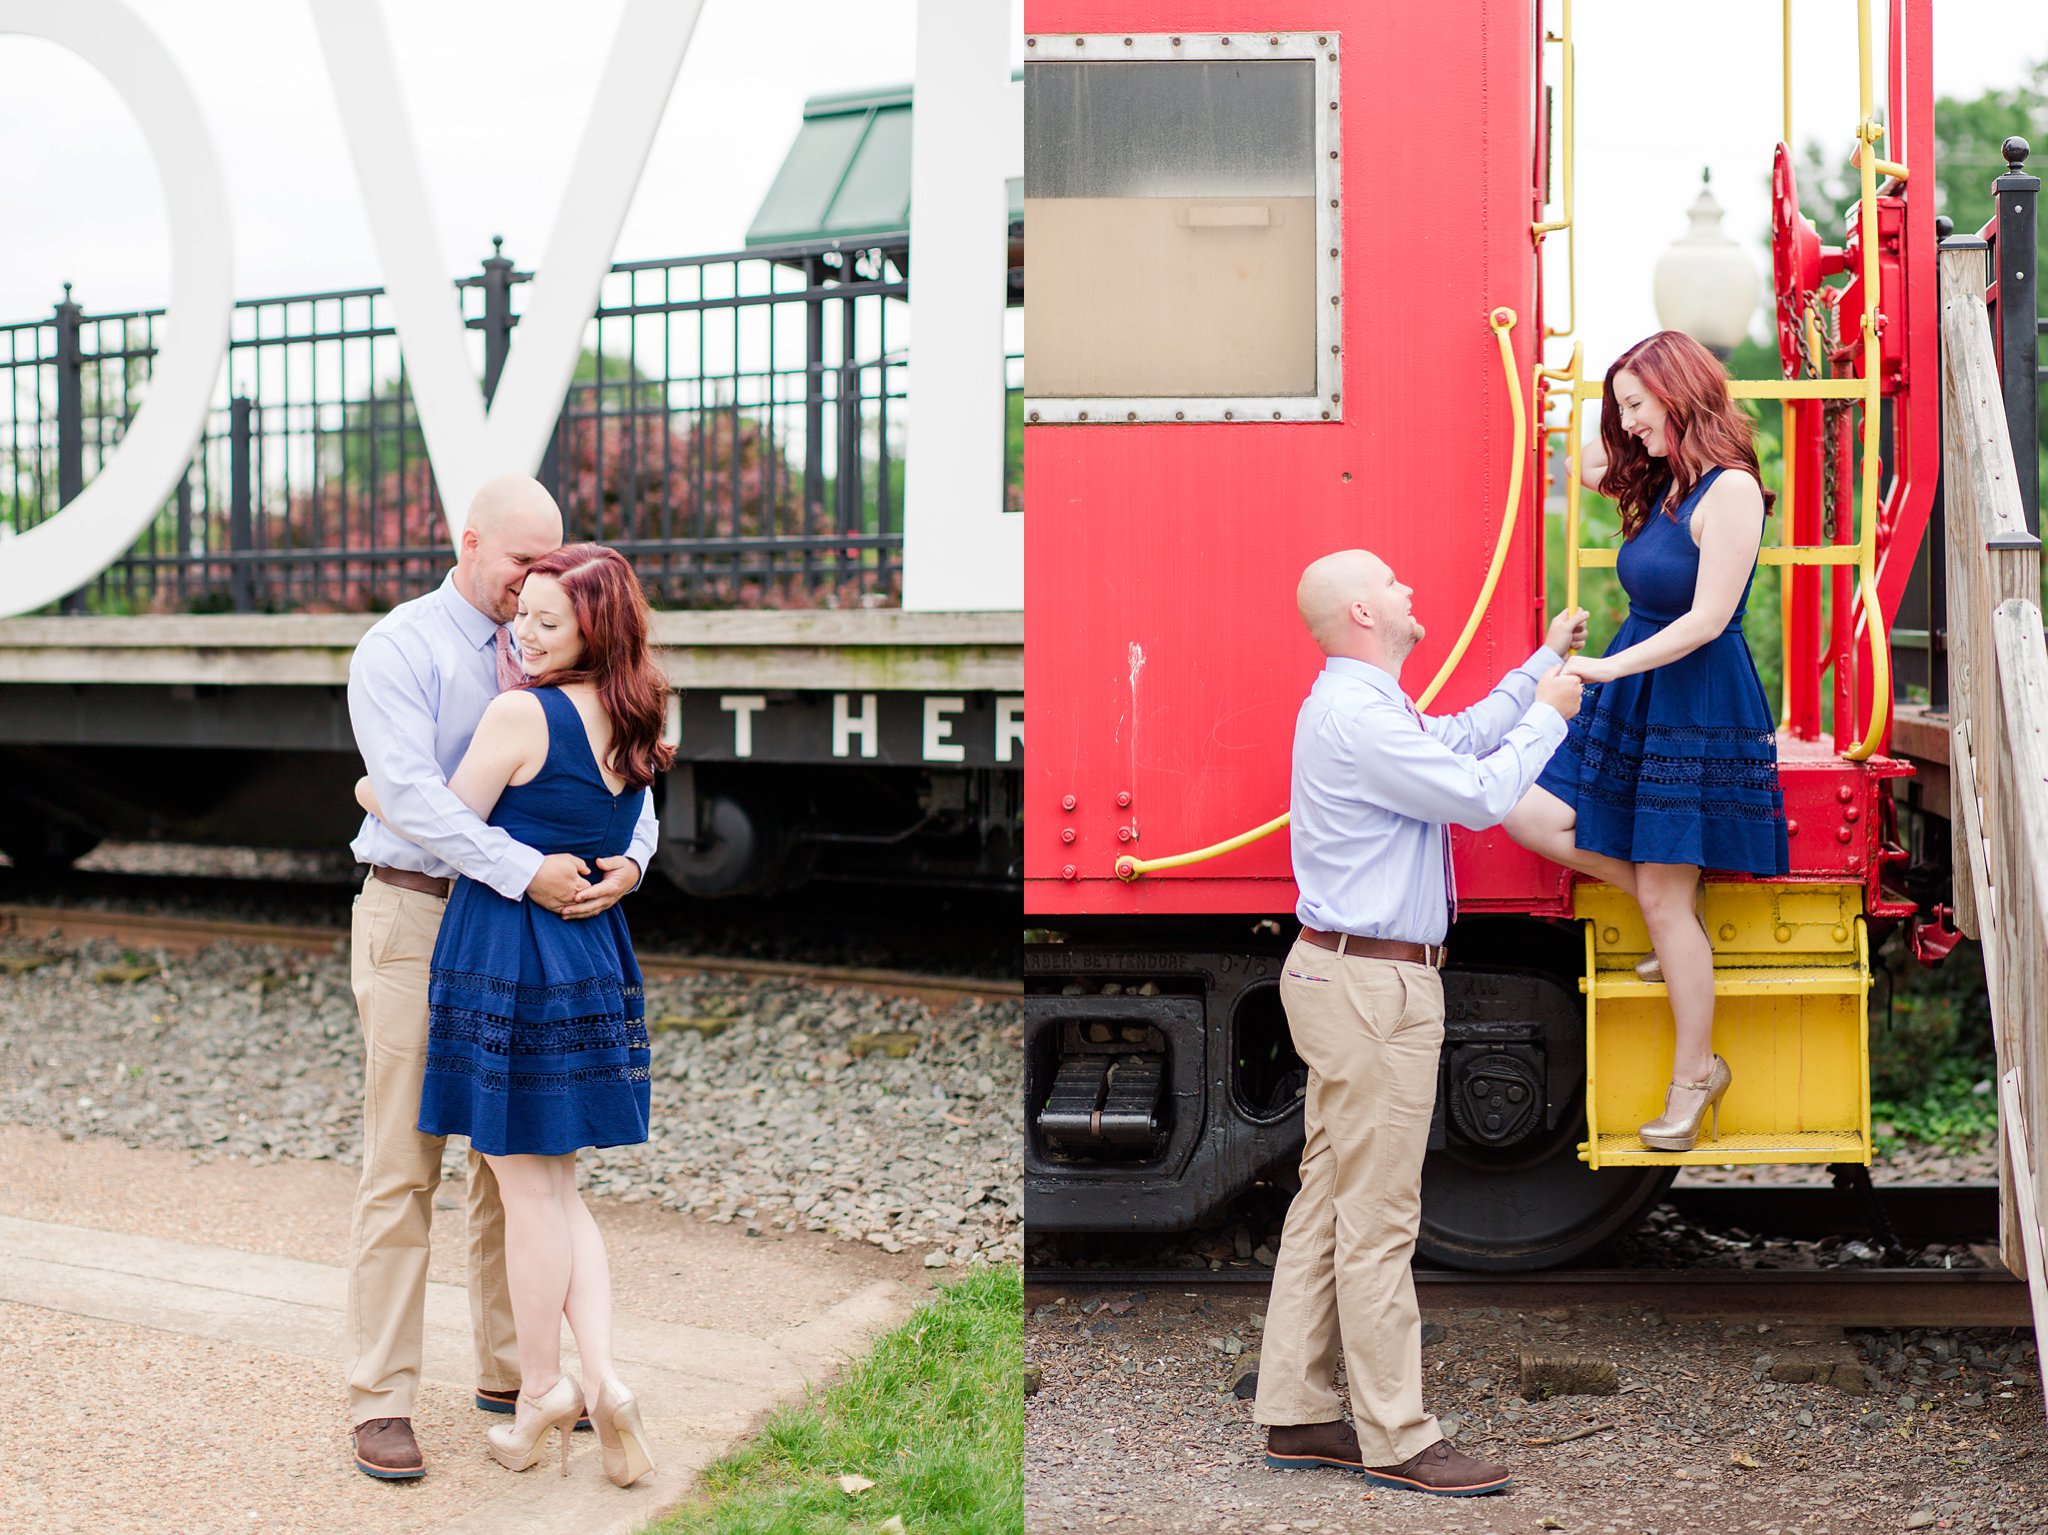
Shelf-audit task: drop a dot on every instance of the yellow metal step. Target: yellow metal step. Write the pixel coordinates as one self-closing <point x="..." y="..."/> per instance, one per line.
<point x="1792" y="1146"/>
<point x="1741" y="981"/>
<point x="1791" y="1018"/>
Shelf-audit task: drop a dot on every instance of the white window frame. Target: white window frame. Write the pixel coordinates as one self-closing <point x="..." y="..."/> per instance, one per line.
<point x="1320" y="49"/>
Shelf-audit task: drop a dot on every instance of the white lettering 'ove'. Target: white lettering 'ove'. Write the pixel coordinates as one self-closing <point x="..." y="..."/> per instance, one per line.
<point x="968" y="136"/>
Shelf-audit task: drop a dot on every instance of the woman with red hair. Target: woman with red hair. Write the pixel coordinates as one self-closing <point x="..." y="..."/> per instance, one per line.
<point x="537" y="1040"/>
<point x="1671" y="765"/>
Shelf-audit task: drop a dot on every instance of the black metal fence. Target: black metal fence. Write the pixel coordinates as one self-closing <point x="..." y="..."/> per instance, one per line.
<point x="736" y="426"/>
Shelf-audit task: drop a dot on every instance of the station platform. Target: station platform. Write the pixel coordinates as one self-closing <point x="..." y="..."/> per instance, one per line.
<point x="817" y="648"/>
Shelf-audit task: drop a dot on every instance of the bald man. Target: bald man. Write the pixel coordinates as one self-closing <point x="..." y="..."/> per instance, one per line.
<point x="1374" y="785"/>
<point x="417" y="686"/>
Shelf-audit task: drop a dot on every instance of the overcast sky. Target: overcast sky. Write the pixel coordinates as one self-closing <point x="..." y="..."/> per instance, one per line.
<point x="1664" y="90"/>
<point x="498" y="91"/>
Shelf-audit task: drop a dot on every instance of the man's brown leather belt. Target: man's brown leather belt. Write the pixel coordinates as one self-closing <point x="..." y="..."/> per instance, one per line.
<point x="426" y="884"/>
<point x="1431" y="954"/>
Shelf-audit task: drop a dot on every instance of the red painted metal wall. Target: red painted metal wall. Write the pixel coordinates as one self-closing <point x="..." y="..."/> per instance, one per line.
<point x="1164" y="659"/>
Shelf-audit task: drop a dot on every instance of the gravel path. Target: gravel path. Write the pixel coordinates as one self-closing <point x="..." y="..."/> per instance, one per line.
<point x="771" y="1111"/>
<point x="1136" y="1428"/>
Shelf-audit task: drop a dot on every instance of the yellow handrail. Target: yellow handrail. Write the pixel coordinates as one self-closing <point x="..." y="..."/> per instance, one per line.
<point x="1880" y="642"/>
<point x="1787" y="56"/>
<point x="1502" y="321"/>
<point x="1540" y="228"/>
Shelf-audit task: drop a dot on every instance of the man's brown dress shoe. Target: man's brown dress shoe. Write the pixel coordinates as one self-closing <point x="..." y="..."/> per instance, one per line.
<point x="1442" y="1470"/>
<point x="1305" y="1446"/>
<point x="386" y="1449"/>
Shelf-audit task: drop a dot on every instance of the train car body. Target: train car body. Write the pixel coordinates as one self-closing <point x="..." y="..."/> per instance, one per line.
<point x="1171" y="522"/>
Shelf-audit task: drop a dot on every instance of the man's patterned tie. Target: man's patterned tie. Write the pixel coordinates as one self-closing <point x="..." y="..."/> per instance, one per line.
<point x="509" y="674"/>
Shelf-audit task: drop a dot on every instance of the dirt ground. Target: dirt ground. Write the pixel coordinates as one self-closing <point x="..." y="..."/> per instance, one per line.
<point x="1135" y="1426"/>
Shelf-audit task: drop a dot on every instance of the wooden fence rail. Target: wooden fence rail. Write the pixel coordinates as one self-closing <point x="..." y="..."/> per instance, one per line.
<point x="1998" y="753"/>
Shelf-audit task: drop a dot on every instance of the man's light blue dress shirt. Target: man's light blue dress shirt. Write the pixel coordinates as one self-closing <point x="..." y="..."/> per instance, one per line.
<point x="418" y="685"/>
<point x="1374" y="789"/>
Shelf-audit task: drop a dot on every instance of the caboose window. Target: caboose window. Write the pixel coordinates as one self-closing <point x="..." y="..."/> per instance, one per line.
<point x="1180" y="197"/>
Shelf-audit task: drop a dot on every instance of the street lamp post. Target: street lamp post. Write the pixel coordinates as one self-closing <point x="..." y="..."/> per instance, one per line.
<point x="1703" y="284"/>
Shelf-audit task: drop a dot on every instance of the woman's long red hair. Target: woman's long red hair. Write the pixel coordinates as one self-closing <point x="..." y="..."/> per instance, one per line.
<point x="1706" y="429"/>
<point x="611" y="614"/>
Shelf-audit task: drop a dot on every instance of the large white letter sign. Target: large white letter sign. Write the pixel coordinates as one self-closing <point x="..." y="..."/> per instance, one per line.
<point x="960" y="549"/>
<point x="58" y="556"/>
<point x="468" y="445"/>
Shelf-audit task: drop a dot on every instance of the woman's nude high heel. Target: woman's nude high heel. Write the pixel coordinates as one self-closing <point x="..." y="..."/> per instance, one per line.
<point x="515" y="1448"/>
<point x="616" y="1417"/>
<point x="1674" y="1131"/>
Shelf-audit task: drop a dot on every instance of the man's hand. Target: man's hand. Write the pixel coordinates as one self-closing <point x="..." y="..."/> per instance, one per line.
<point x="1560" y="689"/>
<point x="621" y="874"/>
<point x="1567" y="631"/>
<point x="558" y="881"/>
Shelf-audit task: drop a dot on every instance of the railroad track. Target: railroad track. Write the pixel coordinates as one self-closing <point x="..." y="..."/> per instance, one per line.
<point x="1921" y="1214"/>
<point x="1842" y="1298"/>
<point x="186" y="935"/>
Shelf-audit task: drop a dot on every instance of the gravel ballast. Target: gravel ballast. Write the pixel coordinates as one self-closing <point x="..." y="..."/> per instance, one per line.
<point x="1714" y="1426"/>
<point x="772" y="1107"/>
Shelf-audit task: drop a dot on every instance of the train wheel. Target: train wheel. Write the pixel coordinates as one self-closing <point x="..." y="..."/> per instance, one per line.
<point x="1531" y="1205"/>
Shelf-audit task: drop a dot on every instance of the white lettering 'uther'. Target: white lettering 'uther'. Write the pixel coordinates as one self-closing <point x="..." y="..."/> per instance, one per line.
<point x="846" y="725"/>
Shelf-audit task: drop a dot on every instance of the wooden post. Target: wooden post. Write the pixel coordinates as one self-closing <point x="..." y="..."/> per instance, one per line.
<point x="1994" y="559"/>
<point x="1962" y="279"/>
<point x="2023" y="687"/>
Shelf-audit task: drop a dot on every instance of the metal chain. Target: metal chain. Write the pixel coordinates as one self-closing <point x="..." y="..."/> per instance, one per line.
<point x="1831" y="416"/>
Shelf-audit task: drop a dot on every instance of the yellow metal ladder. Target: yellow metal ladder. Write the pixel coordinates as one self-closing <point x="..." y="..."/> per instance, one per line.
<point x="1791" y="1018"/>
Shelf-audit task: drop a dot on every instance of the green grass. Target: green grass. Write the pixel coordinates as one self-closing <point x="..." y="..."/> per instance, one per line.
<point x="1947" y="1112"/>
<point x="1930" y="1046"/>
<point x="934" y="1417"/>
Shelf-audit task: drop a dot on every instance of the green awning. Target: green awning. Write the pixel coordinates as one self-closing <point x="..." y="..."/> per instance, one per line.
<point x="848" y="173"/>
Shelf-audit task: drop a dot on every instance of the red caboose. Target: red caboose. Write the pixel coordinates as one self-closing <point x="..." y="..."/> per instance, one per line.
<point x="1286" y="298"/>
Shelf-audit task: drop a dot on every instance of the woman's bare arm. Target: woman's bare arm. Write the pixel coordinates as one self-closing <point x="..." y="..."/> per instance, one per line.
<point x="1592" y="462"/>
<point x="511" y="743"/>
<point x="1731" y="523"/>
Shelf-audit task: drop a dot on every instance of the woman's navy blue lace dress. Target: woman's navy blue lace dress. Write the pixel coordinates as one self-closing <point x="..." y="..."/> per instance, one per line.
<point x="1678" y="764"/>
<point x="536" y="1031"/>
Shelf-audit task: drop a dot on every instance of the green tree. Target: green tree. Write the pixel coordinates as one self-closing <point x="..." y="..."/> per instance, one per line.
<point x="1967" y="159"/>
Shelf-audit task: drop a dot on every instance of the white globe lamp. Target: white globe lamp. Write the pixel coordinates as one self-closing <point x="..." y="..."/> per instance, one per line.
<point x="1704" y="284"/>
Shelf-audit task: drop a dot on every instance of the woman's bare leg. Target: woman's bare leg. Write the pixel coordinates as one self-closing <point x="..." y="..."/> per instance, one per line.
<point x="1545" y="824"/>
<point x="537" y="1262"/>
<point x="1666" y="892"/>
<point x="588" y="1302"/>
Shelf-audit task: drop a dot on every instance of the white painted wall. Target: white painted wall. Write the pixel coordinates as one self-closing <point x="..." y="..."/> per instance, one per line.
<point x="961" y="549"/>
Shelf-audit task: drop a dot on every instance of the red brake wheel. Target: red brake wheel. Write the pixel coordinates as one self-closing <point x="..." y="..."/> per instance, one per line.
<point x="1795" y="259"/>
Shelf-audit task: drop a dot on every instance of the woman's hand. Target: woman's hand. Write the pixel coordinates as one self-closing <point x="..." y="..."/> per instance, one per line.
<point x="366" y="796"/>
<point x="1591" y="669"/>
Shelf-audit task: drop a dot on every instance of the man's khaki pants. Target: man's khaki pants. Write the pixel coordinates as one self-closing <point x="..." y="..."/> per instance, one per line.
<point x="391" y="941"/>
<point x="1369" y="1031"/>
